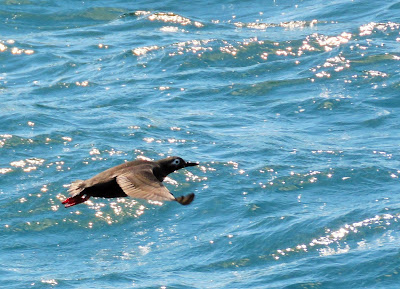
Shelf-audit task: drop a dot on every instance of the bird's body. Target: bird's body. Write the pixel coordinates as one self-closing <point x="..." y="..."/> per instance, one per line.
<point x="139" y="179"/>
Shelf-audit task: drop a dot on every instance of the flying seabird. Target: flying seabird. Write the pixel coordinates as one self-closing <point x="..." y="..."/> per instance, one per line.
<point x="138" y="179"/>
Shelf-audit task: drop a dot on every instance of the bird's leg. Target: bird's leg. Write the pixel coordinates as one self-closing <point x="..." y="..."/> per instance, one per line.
<point x="72" y="201"/>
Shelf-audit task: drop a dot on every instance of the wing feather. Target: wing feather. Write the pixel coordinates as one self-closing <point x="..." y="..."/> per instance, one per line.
<point x="144" y="185"/>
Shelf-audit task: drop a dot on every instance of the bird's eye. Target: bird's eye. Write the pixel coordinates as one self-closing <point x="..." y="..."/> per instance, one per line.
<point x="176" y="162"/>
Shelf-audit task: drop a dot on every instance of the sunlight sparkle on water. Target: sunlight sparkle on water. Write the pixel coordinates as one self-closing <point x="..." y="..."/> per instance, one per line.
<point x="337" y="236"/>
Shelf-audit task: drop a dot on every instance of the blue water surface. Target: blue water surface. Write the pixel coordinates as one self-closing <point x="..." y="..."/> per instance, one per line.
<point x="292" y="109"/>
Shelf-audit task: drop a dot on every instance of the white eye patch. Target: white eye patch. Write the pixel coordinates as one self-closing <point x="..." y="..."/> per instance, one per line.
<point x="176" y="162"/>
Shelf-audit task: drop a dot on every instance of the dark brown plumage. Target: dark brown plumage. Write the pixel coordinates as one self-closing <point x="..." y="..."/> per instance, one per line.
<point x="138" y="179"/>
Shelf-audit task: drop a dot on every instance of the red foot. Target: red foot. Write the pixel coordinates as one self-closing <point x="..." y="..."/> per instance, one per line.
<point x="72" y="201"/>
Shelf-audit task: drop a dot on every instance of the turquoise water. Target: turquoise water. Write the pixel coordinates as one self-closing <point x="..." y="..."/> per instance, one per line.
<point x="292" y="109"/>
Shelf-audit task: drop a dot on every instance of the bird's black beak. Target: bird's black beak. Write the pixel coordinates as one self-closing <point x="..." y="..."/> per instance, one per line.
<point x="188" y="164"/>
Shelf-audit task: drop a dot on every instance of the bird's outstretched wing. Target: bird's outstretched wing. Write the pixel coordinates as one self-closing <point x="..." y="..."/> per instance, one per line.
<point x="143" y="184"/>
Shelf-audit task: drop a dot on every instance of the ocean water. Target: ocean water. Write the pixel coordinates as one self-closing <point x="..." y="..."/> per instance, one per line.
<point x="292" y="109"/>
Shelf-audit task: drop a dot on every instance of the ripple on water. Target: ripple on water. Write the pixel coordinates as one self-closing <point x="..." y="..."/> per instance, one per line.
<point x="292" y="119"/>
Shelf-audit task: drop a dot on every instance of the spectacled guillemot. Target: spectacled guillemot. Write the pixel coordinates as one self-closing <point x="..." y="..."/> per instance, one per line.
<point x="138" y="179"/>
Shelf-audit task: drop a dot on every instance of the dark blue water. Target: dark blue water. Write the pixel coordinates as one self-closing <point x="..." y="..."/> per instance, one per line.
<point x="292" y="109"/>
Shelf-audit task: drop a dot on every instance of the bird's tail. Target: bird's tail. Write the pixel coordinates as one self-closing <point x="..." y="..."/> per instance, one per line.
<point x="185" y="200"/>
<point x="76" y="188"/>
<point x="72" y="201"/>
<point x="77" y="196"/>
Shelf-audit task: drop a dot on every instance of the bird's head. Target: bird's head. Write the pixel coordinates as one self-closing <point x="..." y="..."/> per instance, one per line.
<point x="173" y="164"/>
